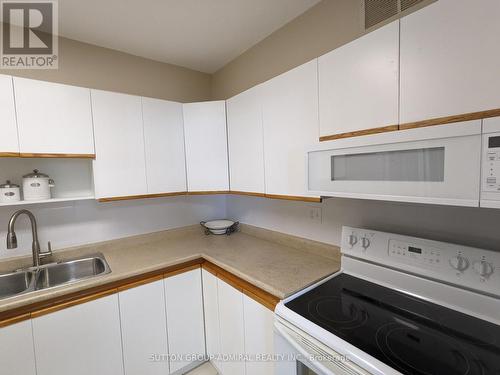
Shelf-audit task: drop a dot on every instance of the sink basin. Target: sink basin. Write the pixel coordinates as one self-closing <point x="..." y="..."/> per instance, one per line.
<point x="53" y="274"/>
<point x="15" y="283"/>
<point x="71" y="271"/>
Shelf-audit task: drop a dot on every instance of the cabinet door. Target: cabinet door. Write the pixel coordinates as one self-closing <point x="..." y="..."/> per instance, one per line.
<point x="206" y="146"/>
<point x="450" y="59"/>
<point x="211" y="308"/>
<point x="80" y="340"/>
<point x="232" y="333"/>
<point x="16" y="349"/>
<point x="358" y="83"/>
<point x="8" y="126"/>
<point x="120" y="167"/>
<point x="53" y="118"/>
<point x="290" y="114"/>
<point x="164" y="144"/>
<point x="185" y="325"/>
<point x="259" y="342"/>
<point x="246" y="142"/>
<point x="144" y="329"/>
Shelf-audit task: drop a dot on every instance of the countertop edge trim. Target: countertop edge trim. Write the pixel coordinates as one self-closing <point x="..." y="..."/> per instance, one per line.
<point x="50" y="305"/>
<point x="257" y="294"/>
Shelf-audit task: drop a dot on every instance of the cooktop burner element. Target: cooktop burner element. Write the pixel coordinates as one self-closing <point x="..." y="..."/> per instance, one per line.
<point x="411" y="335"/>
<point x="400" y="344"/>
<point x="329" y="310"/>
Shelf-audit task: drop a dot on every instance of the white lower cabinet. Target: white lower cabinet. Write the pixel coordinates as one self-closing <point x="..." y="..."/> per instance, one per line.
<point x="185" y="325"/>
<point x="16" y="349"/>
<point x="239" y="330"/>
<point x="232" y="329"/>
<point x="80" y="340"/>
<point x="152" y="329"/>
<point x="144" y="330"/>
<point x="259" y="340"/>
<point x="212" y="327"/>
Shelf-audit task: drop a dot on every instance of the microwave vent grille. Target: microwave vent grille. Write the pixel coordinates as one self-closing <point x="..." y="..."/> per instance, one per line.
<point x="407" y="4"/>
<point x="377" y="11"/>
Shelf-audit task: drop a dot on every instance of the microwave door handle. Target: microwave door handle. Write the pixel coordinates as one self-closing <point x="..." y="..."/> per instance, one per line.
<point x="316" y="366"/>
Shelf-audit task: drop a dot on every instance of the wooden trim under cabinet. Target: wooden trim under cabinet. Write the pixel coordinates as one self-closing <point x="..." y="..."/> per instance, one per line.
<point x="53" y="156"/>
<point x="208" y="192"/>
<point x="51" y="305"/>
<point x="451" y="119"/>
<point x="235" y="192"/>
<point x="9" y="154"/>
<point x="143" y="196"/>
<point x="417" y="124"/>
<point x="295" y="198"/>
<point x="358" y="133"/>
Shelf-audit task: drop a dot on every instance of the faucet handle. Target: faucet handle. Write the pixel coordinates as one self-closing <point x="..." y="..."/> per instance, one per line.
<point x="47" y="253"/>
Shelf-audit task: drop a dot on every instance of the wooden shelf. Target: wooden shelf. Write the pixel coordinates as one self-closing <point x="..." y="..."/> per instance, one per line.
<point x="53" y="200"/>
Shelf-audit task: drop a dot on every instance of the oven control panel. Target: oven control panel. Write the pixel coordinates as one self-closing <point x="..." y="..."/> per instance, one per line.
<point x="417" y="253"/>
<point x="461" y="265"/>
<point x="491" y="163"/>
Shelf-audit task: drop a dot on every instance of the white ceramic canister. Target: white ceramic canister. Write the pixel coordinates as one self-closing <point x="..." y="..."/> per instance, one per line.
<point x="9" y="193"/>
<point x="36" y="186"/>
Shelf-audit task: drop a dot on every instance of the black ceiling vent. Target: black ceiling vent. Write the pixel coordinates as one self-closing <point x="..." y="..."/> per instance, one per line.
<point x="377" y="11"/>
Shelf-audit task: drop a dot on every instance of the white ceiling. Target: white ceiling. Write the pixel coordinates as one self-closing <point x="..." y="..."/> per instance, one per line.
<point x="199" y="34"/>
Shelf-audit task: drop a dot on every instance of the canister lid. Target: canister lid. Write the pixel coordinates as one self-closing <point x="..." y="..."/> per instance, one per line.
<point x="35" y="174"/>
<point x="8" y="185"/>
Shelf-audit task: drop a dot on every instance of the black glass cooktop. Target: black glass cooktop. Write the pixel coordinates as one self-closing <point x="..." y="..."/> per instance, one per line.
<point x="409" y="334"/>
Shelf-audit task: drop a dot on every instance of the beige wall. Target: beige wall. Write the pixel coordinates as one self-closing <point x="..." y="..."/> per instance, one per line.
<point x="326" y="26"/>
<point x="86" y="65"/>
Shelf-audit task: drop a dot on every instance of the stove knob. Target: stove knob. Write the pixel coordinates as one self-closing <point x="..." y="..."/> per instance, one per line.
<point x="459" y="263"/>
<point x="483" y="269"/>
<point x="353" y="240"/>
<point x="365" y="243"/>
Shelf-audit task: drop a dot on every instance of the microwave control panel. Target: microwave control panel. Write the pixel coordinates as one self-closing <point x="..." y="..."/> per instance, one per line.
<point x="491" y="163"/>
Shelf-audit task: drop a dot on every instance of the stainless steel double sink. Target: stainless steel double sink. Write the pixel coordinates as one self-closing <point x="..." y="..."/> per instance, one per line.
<point x="52" y="274"/>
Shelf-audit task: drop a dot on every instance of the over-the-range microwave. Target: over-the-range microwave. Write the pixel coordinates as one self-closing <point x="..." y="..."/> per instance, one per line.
<point x="455" y="164"/>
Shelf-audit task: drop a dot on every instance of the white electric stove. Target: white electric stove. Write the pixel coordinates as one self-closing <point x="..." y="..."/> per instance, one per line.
<point x="400" y="305"/>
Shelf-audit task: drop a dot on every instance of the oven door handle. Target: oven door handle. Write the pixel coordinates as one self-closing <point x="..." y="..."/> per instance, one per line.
<point x="306" y="353"/>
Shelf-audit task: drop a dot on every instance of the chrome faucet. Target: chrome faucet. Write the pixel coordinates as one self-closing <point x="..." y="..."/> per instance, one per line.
<point x="35" y="246"/>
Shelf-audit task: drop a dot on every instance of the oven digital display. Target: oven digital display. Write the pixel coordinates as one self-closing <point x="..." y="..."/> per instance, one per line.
<point x="494" y="142"/>
<point x="415" y="250"/>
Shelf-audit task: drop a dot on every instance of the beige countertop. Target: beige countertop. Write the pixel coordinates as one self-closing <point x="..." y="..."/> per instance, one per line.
<point x="277" y="263"/>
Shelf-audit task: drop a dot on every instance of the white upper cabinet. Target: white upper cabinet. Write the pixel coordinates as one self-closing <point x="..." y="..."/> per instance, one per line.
<point x="53" y="118"/>
<point x="450" y="59"/>
<point x="8" y="127"/>
<point x="206" y="146"/>
<point x="144" y="329"/>
<point x="246" y="142"/>
<point x="164" y="146"/>
<point x="358" y="83"/>
<point x="290" y="115"/>
<point x="80" y="340"/>
<point x="185" y="325"/>
<point x="17" y="354"/>
<point x="120" y="166"/>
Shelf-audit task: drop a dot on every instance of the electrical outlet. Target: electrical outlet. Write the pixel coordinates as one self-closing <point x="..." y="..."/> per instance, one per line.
<point x="314" y="214"/>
